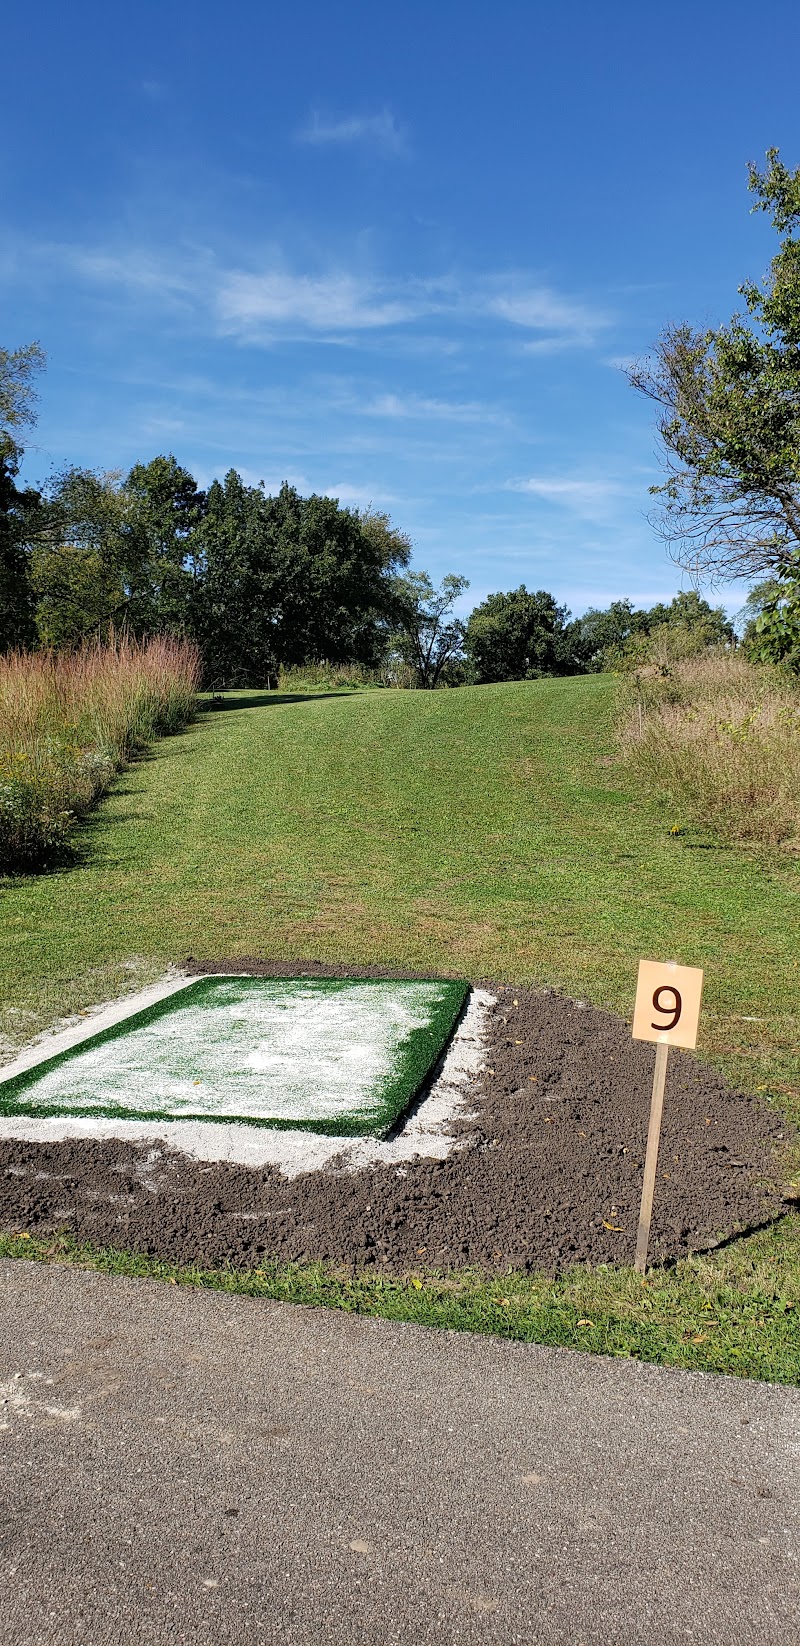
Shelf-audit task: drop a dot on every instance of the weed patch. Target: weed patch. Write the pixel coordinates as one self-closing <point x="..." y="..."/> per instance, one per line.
<point x="719" y="740"/>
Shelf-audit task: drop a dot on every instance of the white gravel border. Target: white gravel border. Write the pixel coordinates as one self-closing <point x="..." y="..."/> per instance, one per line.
<point x="426" y="1131"/>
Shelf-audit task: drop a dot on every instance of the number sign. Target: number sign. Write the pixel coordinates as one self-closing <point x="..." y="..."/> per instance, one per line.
<point x="667" y="1003"/>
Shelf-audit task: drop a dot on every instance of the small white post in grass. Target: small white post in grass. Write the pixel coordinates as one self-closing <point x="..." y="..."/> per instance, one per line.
<point x="667" y="1011"/>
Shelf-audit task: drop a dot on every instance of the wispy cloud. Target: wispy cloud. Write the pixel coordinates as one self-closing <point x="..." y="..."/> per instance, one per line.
<point x="378" y="131"/>
<point x="587" y="497"/>
<point x="337" y="302"/>
<point x="416" y="407"/>
<point x="562" y="322"/>
<point x="273" y="303"/>
<point x="358" y="497"/>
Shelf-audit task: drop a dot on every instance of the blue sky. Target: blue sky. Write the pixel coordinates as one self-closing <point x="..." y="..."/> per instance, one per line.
<point x="395" y="253"/>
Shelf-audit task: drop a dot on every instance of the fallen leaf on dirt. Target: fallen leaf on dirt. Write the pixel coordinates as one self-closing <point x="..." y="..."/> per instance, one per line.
<point x="506" y="1301"/>
<point x="585" y="1322"/>
<point x="415" y="1281"/>
<point x="616" y="1227"/>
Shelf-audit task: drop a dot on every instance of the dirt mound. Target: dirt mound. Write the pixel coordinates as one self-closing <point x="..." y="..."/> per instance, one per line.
<point x="548" y="1172"/>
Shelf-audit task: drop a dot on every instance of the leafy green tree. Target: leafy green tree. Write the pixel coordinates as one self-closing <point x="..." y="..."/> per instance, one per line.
<point x="117" y="553"/>
<point x="17" y="393"/>
<point x="427" y="637"/>
<point x="79" y="566"/>
<point x="234" y="608"/>
<point x="772" y="626"/>
<point x="20" y="508"/>
<point x="287" y="580"/>
<point x="162" y="512"/>
<point x="393" y="547"/>
<point x="335" y="579"/>
<point x="590" y="639"/>
<point x="20" y="514"/>
<point x="685" y="628"/>
<point x="729" y="415"/>
<point x="517" y="636"/>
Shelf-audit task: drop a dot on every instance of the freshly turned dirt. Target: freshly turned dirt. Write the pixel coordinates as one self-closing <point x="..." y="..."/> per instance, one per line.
<point x="549" y="1172"/>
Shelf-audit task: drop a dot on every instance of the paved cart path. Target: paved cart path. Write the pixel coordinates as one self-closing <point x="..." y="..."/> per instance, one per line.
<point x="179" y="1466"/>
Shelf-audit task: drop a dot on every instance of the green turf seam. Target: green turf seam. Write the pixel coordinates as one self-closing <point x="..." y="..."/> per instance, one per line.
<point x="417" y="1056"/>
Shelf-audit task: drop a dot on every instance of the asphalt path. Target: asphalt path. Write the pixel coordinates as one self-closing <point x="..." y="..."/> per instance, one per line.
<point x="180" y="1466"/>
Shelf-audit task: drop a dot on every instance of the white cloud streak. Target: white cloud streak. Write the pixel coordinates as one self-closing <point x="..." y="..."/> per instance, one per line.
<point x="274" y="303"/>
<point x="585" y="497"/>
<point x="340" y="302"/>
<point x="417" y="408"/>
<point x="380" y="131"/>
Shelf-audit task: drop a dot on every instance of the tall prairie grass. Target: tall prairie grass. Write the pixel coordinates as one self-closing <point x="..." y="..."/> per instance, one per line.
<point x="719" y="739"/>
<point x="328" y="677"/>
<point x="70" y="721"/>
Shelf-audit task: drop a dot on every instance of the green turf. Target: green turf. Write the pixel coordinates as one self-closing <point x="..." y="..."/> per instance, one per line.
<point x="337" y="1056"/>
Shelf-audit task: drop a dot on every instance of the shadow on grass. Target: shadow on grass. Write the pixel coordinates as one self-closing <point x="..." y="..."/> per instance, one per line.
<point x="275" y="700"/>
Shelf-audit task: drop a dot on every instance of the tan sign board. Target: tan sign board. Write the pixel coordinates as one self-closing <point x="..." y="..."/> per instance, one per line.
<point x="667" y="1006"/>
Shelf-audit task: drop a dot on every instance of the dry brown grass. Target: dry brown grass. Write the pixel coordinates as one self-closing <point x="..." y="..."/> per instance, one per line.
<point x="69" y="721"/>
<point x="719" y="738"/>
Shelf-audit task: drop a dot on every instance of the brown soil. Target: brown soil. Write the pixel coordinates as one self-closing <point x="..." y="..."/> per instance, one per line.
<point x="549" y="1173"/>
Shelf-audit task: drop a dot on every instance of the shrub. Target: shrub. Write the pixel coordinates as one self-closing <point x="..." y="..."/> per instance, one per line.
<point x="70" y="721"/>
<point x="719" y="739"/>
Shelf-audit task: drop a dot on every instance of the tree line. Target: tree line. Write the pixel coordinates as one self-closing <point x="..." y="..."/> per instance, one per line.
<point x="264" y="583"/>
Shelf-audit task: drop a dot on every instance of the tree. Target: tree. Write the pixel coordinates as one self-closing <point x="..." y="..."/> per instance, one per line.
<point x="79" y="567"/>
<point x="729" y="416"/>
<point x="20" y="509"/>
<point x="335" y="579"/>
<point x="17" y="394"/>
<point x="517" y="636"/>
<point x="591" y="639"/>
<point x="20" y="512"/>
<point x="393" y="546"/>
<point x="427" y="636"/>
<point x="234" y="605"/>
<point x="287" y="580"/>
<point x="163" y="510"/>
<point x="772" y="623"/>
<point x="685" y="628"/>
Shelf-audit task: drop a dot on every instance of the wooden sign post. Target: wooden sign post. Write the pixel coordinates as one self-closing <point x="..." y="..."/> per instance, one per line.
<point x="667" y="1011"/>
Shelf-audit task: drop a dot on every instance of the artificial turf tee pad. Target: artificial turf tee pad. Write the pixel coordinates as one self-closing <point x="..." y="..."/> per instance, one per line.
<point x="336" y="1055"/>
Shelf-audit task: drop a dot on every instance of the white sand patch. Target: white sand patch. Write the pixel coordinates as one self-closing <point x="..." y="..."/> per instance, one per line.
<point x="426" y="1132"/>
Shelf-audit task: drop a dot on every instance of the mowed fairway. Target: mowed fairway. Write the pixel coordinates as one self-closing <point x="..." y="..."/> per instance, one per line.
<point x="487" y="831"/>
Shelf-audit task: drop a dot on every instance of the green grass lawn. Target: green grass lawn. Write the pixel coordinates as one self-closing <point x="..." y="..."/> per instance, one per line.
<point x="487" y="831"/>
